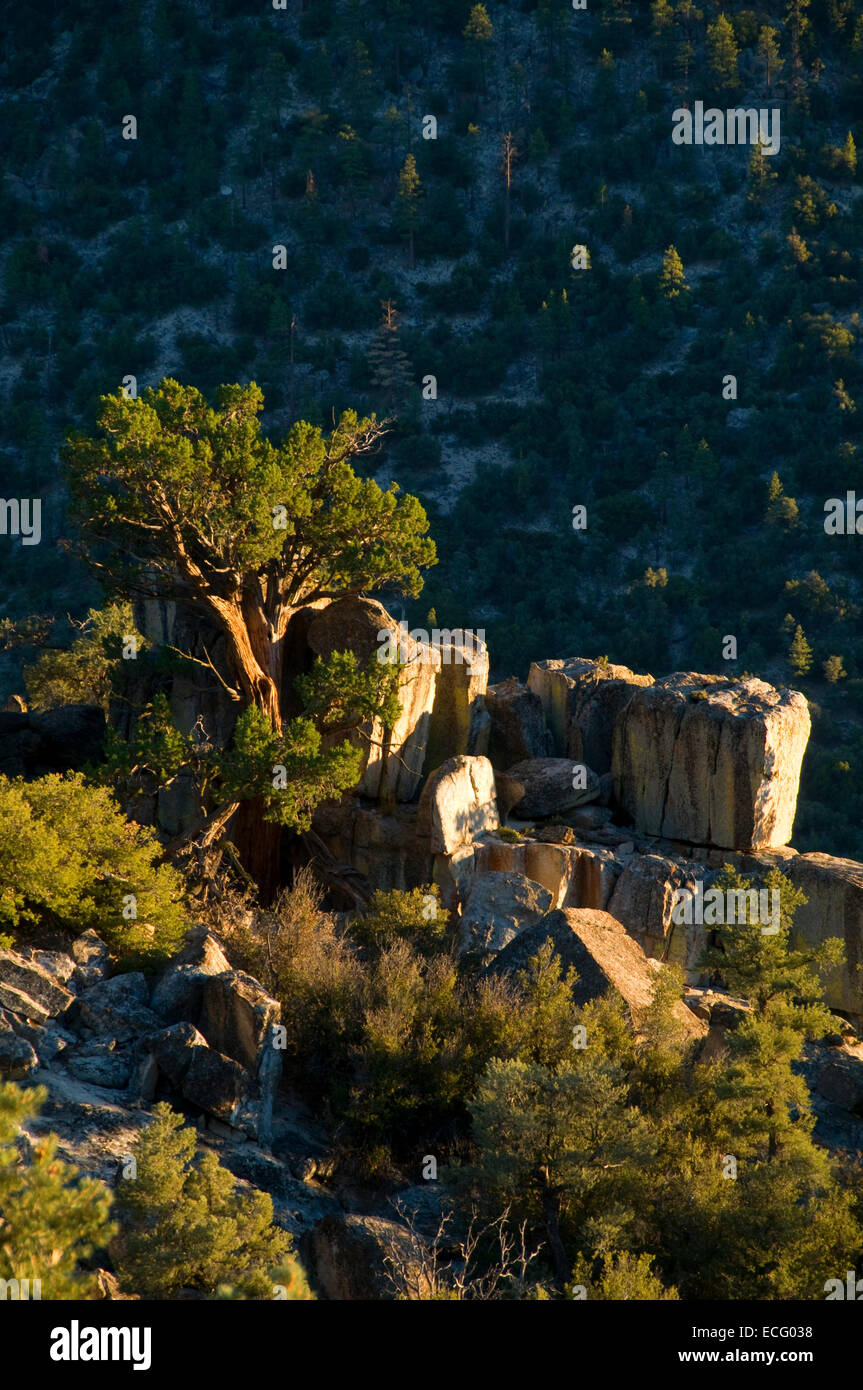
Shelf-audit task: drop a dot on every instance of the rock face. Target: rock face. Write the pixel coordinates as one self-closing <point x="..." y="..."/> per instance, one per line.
<point x="498" y="907"/>
<point x="457" y="803"/>
<point x="518" y="729"/>
<point x="348" y="1254"/>
<point x="547" y="787"/>
<point x="711" y="761"/>
<point x="604" y="957"/>
<point x="458" y="722"/>
<point x="581" y="701"/>
<point x="28" y="989"/>
<point x="642" y="900"/>
<point x="117" y="1007"/>
<point x="393" y="760"/>
<point x="575" y="875"/>
<point x="178" y="992"/>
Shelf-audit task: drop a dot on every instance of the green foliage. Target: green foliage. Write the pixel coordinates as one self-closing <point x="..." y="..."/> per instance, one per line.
<point x="51" y="1220"/>
<point x="185" y="1225"/>
<point x="620" y="1276"/>
<point x="799" y="653"/>
<point x="672" y="280"/>
<point x="722" y="53"/>
<point x="183" y="485"/>
<point x="415" y="917"/>
<point x="292" y="772"/>
<point x="69" y="859"/>
<point x="86" y="672"/>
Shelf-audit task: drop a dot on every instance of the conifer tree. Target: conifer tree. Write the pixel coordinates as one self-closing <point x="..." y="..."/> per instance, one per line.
<point x="722" y="53"/>
<point x="509" y="154"/>
<point x="392" y="373"/>
<point x="769" y="54"/>
<point x="50" y="1219"/>
<point x="185" y="1225"/>
<point x="409" y="195"/>
<point x="799" y="653"/>
<point x="672" y="279"/>
<point x="761" y="172"/>
<point x="179" y="499"/>
<point x="479" y="31"/>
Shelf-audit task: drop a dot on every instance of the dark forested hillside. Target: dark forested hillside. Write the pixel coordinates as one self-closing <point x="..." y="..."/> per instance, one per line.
<point x="380" y="205"/>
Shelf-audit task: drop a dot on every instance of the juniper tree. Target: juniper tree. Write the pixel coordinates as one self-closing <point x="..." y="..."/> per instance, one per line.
<point x="69" y="858"/>
<point x="183" y="500"/>
<point x="50" y="1219"/>
<point x="184" y="1224"/>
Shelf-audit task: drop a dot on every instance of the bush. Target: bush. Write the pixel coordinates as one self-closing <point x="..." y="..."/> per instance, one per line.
<point x="69" y="860"/>
<point x="84" y="673"/>
<point x="51" y="1220"/>
<point x="184" y="1225"/>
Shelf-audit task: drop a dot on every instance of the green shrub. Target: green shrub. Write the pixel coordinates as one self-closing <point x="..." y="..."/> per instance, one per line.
<point x="69" y="860"/>
<point x="185" y="1226"/>
<point x="51" y="1220"/>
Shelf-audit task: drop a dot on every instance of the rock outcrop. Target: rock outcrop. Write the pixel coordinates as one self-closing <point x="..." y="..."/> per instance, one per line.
<point x="219" y="1050"/>
<point x="393" y="760"/>
<point x="604" y="957"/>
<point x="518" y="729"/>
<point x="459" y="721"/>
<point x="457" y="804"/>
<point x="581" y="701"/>
<point x="498" y="906"/>
<point x="710" y="761"/>
<point x="541" y="787"/>
<point x="349" y="1254"/>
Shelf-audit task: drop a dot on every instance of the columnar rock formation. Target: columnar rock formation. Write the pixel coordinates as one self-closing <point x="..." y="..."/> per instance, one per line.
<point x="393" y="759"/>
<point x="581" y="700"/>
<point x="711" y="761"/>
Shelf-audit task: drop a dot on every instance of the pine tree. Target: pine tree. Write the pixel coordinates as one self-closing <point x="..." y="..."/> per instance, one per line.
<point x="662" y="28"/>
<point x="392" y="372"/>
<point x="185" y="1225"/>
<point x="509" y="154"/>
<point x="799" y="653"/>
<point x="479" y="31"/>
<point x="761" y="172"/>
<point x="409" y="195"/>
<point x="768" y="54"/>
<point x="672" y="280"/>
<point x="785" y="1223"/>
<point x="50" y="1219"/>
<point x="797" y="23"/>
<point x="353" y="161"/>
<point x="834" y="669"/>
<point x="722" y="52"/>
<point x="781" y="510"/>
<point x="849" y="152"/>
